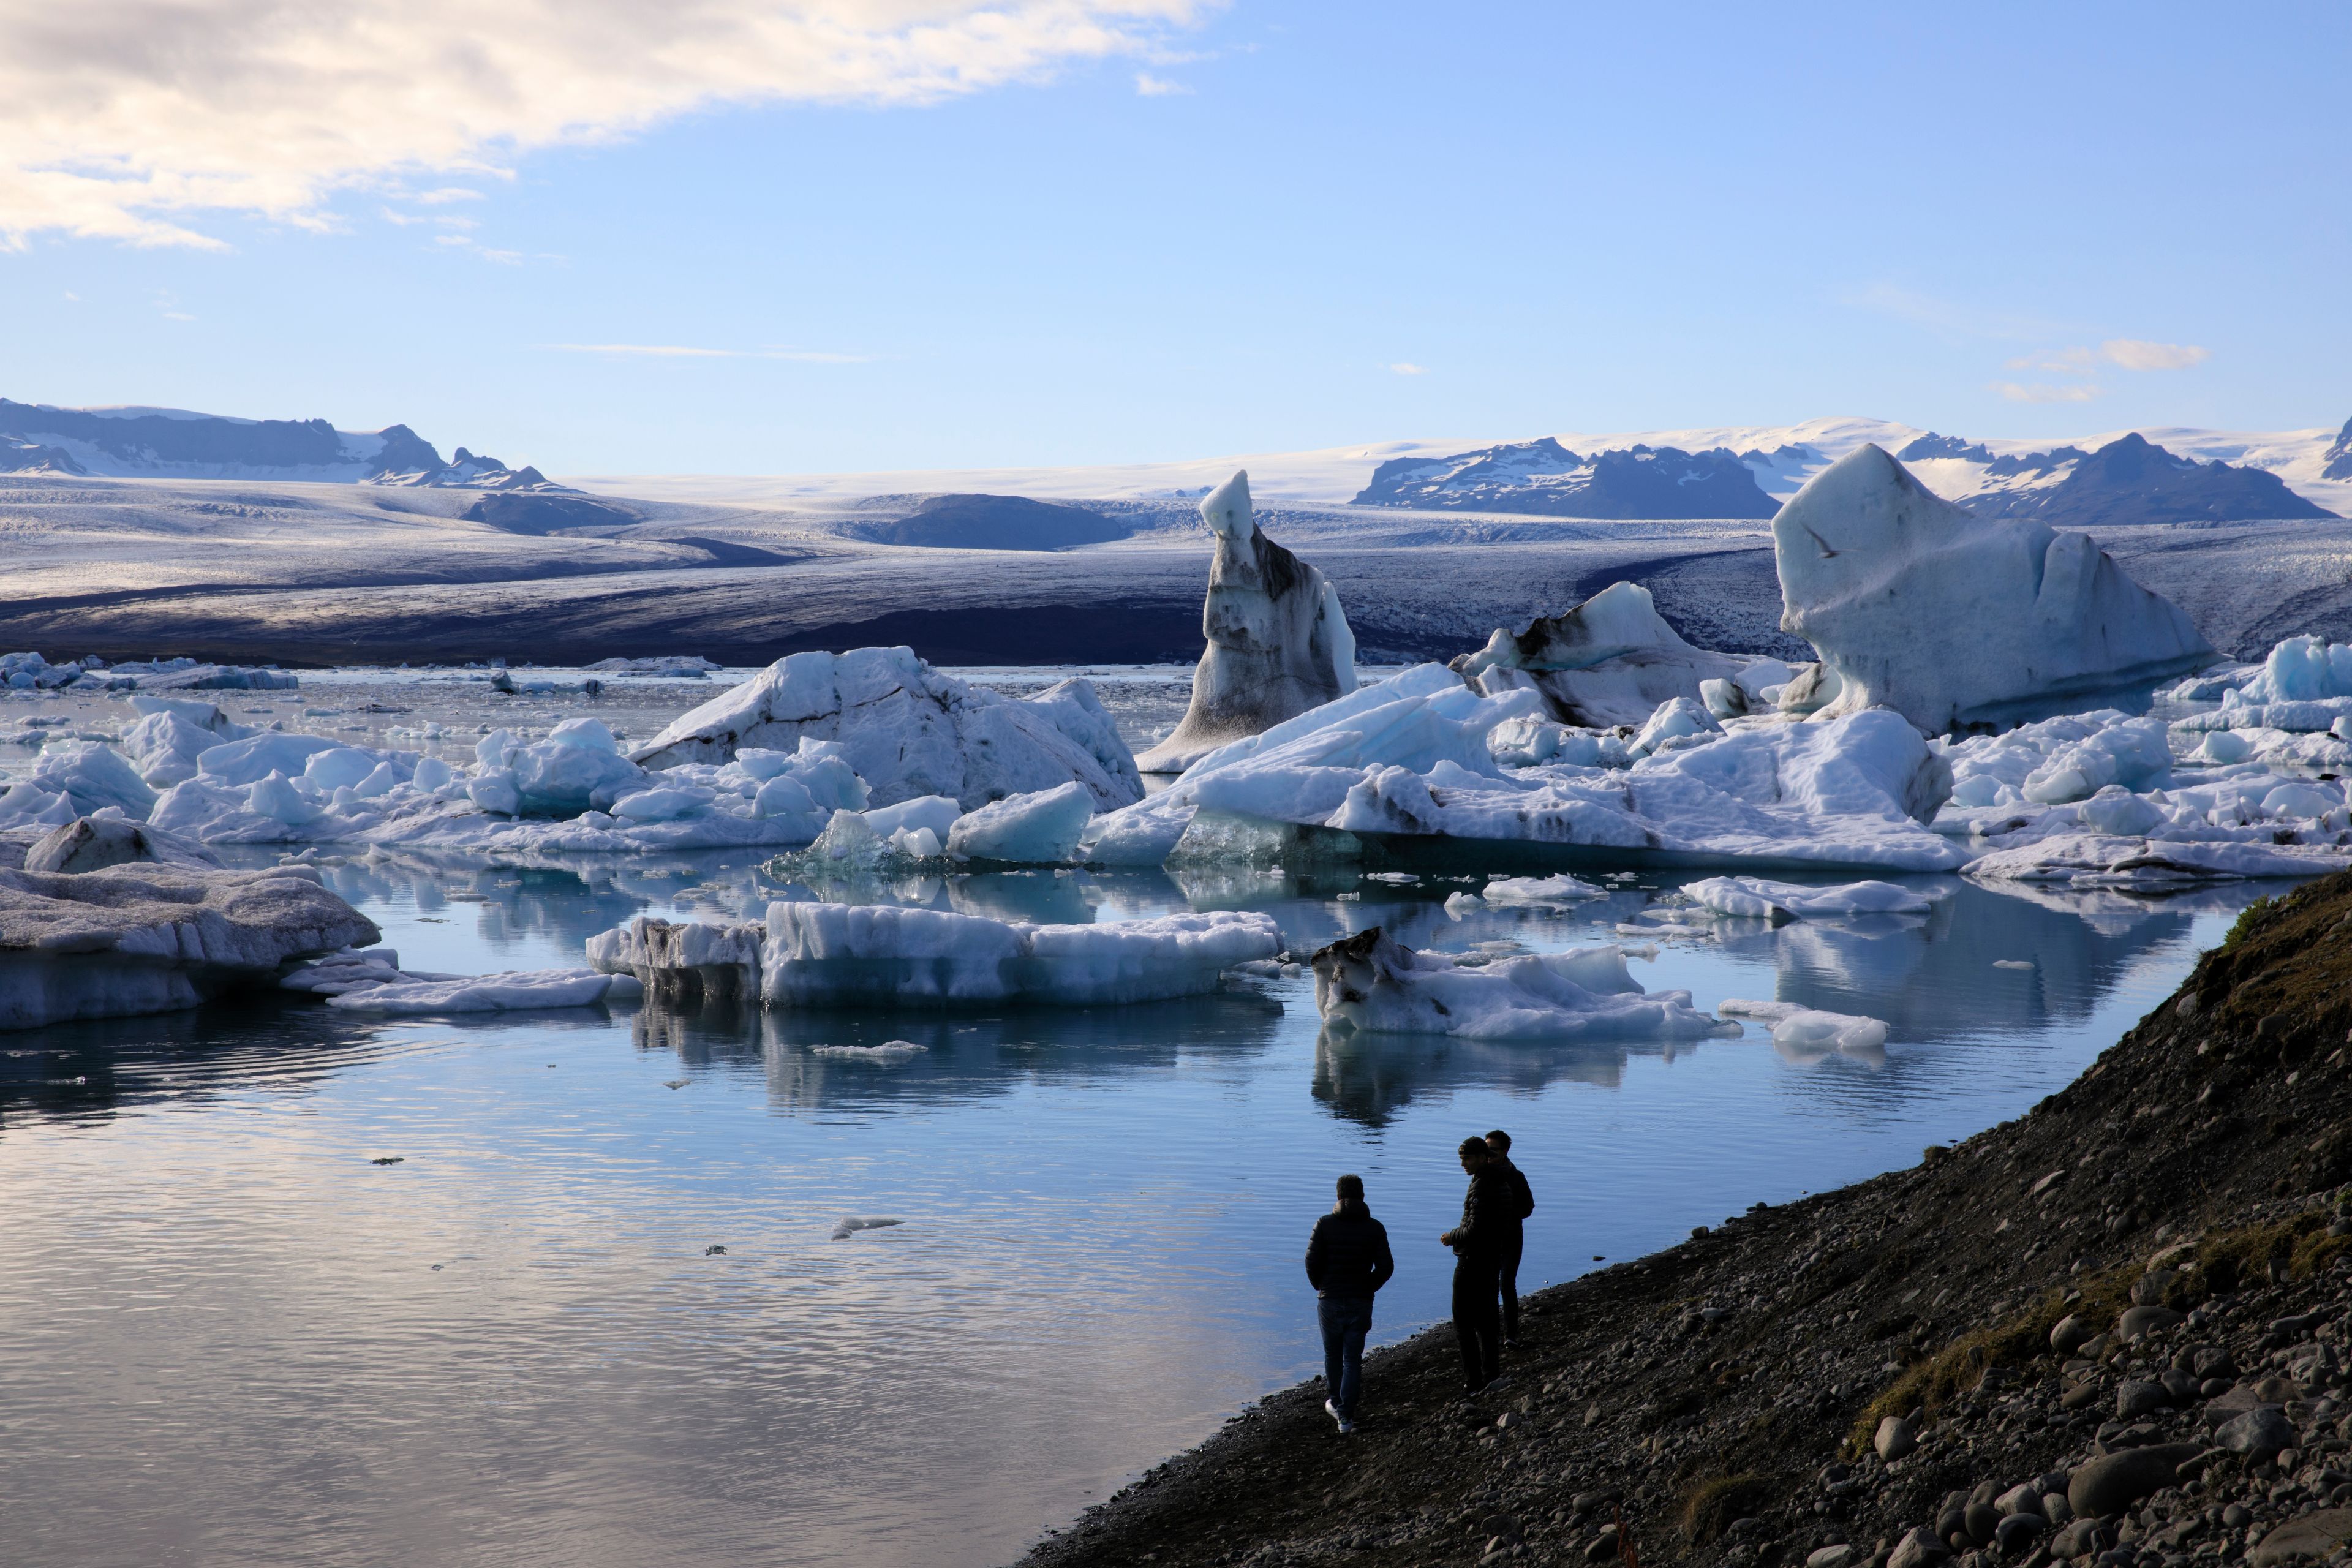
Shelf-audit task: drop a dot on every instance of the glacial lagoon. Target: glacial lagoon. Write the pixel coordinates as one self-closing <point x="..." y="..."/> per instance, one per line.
<point x="281" y="1286"/>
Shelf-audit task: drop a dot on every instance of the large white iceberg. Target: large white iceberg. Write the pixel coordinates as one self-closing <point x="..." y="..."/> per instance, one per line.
<point x="146" y="938"/>
<point x="1279" y="643"/>
<point x="1613" y="659"/>
<point x="1369" y="982"/>
<point x="1955" y="620"/>
<point x="909" y="730"/>
<point x="867" y="955"/>
<point x="1754" y="898"/>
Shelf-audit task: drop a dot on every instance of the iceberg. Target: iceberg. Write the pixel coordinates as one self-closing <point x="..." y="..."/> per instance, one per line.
<point x="1754" y="898"/>
<point x="908" y="731"/>
<point x="1042" y="828"/>
<point x="1612" y="661"/>
<point x="1560" y="889"/>
<point x="132" y="939"/>
<point x="817" y="955"/>
<point x="1369" y="982"/>
<point x="94" y="843"/>
<point x="1954" y="620"/>
<point x="170" y="733"/>
<point x="1279" y="643"/>
<point x="1810" y="1031"/>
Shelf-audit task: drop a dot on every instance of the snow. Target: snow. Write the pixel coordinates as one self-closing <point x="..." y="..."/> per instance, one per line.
<point x="823" y="954"/>
<point x="1810" y="1031"/>
<point x="1279" y="642"/>
<point x="1954" y="620"/>
<point x="143" y="938"/>
<point x="1370" y="982"/>
<point x="909" y="730"/>
<point x="1756" y="898"/>
<point x="1039" y="828"/>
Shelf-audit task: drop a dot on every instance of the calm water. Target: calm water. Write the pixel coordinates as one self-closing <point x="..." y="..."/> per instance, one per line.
<point x="227" y="1336"/>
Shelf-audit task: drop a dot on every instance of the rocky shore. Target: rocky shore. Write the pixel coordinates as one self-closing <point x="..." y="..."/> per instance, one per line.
<point x="2110" y="1333"/>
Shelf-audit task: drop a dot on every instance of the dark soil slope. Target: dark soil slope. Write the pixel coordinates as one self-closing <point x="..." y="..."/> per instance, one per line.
<point x="1727" y="1399"/>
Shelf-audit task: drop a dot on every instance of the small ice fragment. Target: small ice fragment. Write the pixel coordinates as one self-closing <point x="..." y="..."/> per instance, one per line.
<point x="1560" y="889"/>
<point x="2012" y="964"/>
<point x="1810" y="1028"/>
<point x="850" y="1225"/>
<point x="889" y="1050"/>
<point x="676" y="1082"/>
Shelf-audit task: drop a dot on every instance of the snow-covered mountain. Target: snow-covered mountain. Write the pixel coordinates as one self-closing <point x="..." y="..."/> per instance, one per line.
<point x="135" y="442"/>
<point x="1546" y="477"/>
<point x="2314" y="464"/>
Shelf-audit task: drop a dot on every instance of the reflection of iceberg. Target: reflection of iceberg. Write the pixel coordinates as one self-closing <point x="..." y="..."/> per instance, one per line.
<point x="1934" y="979"/>
<point x="1368" y="1079"/>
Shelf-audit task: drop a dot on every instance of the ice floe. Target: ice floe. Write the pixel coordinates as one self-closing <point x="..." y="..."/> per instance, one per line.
<point x="1806" y="1031"/>
<point x="908" y="731"/>
<point x="1370" y="982"/>
<point x="1754" y="898"/>
<point x="149" y="938"/>
<point x="822" y="955"/>
<point x="1279" y="643"/>
<point x="1952" y="619"/>
<point x="370" y="980"/>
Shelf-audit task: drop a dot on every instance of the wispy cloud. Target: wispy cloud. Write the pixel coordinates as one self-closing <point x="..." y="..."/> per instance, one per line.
<point x="683" y="350"/>
<point x="1945" y="316"/>
<point x="446" y="195"/>
<point x="2042" y="393"/>
<point x="2133" y="354"/>
<point x="1150" y="86"/>
<point x="133" y="120"/>
<point x="1406" y="367"/>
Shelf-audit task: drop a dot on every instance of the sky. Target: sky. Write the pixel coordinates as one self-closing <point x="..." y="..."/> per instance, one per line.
<point x="803" y="236"/>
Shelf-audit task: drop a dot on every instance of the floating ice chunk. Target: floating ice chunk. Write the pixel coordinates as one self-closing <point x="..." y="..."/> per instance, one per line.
<point x="2302" y="668"/>
<point x="906" y="729"/>
<point x="135" y="939"/>
<point x="1807" y="1030"/>
<point x="1952" y="619"/>
<point x="515" y="991"/>
<point x="1756" y="898"/>
<point x="1278" y="644"/>
<point x="94" y="843"/>
<point x="887" y="1051"/>
<point x="495" y="790"/>
<point x="2116" y="811"/>
<point x="431" y="773"/>
<point x="849" y="1227"/>
<point x="933" y="813"/>
<point x="784" y="796"/>
<point x="1679" y="718"/>
<point x="2012" y="964"/>
<point x="1611" y="660"/>
<point x="254" y="758"/>
<point x="811" y="955"/>
<point x="2302" y="799"/>
<point x="1462" y="905"/>
<point x="664" y="804"/>
<point x="1369" y="982"/>
<point x="566" y="777"/>
<point x="1560" y="889"/>
<point x="2095" y="860"/>
<point x="682" y="960"/>
<point x="1042" y="828"/>
<point x="588" y="734"/>
<point x="93" y="776"/>
<point x="171" y="733"/>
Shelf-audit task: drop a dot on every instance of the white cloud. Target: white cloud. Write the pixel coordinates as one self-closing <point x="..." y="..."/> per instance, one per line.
<point x="2132" y="353"/>
<point x="447" y="194"/>
<point x="132" y="120"/>
<point x="2039" y="392"/>
<point x="1150" y="86"/>
<point x="681" y="350"/>
<point x="1405" y="367"/>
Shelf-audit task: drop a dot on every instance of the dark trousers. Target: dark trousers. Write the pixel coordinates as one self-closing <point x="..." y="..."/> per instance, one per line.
<point x="1475" y="1322"/>
<point x="1507" y="1275"/>
<point x="1345" y="1320"/>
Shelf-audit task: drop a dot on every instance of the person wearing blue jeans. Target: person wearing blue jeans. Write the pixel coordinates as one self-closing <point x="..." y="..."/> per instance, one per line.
<point x="1348" y="1260"/>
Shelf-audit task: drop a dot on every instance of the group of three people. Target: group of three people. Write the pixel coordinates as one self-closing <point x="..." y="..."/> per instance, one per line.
<point x="1348" y="1260"/>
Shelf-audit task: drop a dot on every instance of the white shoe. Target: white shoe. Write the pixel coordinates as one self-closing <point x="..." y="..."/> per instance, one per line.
<point x="1346" y="1428"/>
<point x="1332" y="1410"/>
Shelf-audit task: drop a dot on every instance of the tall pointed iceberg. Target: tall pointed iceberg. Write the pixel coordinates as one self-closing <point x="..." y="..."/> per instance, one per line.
<point x="1957" y="621"/>
<point x="1279" y="642"/>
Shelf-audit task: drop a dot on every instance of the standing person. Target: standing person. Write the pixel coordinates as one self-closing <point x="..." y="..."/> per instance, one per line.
<point x="1348" y="1262"/>
<point x="1477" y="1243"/>
<point x="1514" y="1237"/>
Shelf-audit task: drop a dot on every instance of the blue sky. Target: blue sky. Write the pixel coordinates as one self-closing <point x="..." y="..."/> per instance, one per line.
<point x="1199" y="231"/>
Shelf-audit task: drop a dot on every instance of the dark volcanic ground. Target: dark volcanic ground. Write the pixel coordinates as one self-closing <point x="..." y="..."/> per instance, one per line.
<point x="1971" y="1320"/>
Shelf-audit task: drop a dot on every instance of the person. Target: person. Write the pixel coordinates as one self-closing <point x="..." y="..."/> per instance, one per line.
<point x="1348" y="1262"/>
<point x="1515" y="1232"/>
<point x="1477" y="1243"/>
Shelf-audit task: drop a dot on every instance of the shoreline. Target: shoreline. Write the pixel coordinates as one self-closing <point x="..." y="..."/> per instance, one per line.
<point x="1723" y="1397"/>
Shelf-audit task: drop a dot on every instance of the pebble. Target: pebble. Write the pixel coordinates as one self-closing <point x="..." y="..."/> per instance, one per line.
<point x="2136" y="1398"/>
<point x="2140" y="1320"/>
<point x="2314" y="1535"/>
<point x="1895" y="1439"/>
<point x="1838" y="1556"/>
<point x="2258" y="1433"/>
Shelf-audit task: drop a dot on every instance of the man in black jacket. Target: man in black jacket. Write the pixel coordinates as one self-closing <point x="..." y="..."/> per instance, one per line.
<point x="1514" y="1233"/>
<point x="1348" y="1262"/>
<point x="1478" y="1243"/>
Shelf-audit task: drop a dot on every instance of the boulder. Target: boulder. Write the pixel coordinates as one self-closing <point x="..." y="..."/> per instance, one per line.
<point x="2258" y="1433"/>
<point x="2113" y="1482"/>
<point x="2317" y="1534"/>
<point x="1279" y="643"/>
<point x="1955" y="620"/>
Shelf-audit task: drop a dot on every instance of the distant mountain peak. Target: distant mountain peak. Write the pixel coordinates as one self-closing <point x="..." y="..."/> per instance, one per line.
<point x="1543" y="478"/>
<point x="2339" y="456"/>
